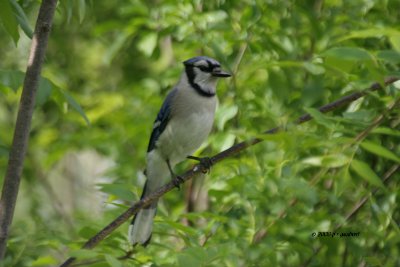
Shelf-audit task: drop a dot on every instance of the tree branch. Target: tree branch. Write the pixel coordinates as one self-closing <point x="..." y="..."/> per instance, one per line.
<point x="22" y="127"/>
<point x="95" y="240"/>
<point x="262" y="233"/>
<point x="388" y="174"/>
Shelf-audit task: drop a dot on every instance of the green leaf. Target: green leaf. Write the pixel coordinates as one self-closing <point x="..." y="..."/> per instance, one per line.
<point x="328" y="161"/>
<point x="386" y="131"/>
<point x="84" y="254"/>
<point x="320" y="118"/>
<point x="379" y="150"/>
<point x="119" y="190"/>
<point x="222" y="141"/>
<point x="68" y="6"/>
<point x="75" y="105"/>
<point x="147" y="44"/>
<point x="348" y="53"/>
<point x="334" y="161"/>
<point x="81" y="10"/>
<point x="112" y="261"/>
<point x="44" y="261"/>
<point x="87" y="232"/>
<point x="9" y="21"/>
<point x="4" y="151"/>
<point x="370" y="33"/>
<point x="389" y="56"/>
<point x="193" y="256"/>
<point x="348" y="59"/>
<point x="315" y="69"/>
<point x="22" y="19"/>
<point x="180" y="227"/>
<point x="224" y="114"/>
<point x="12" y="79"/>
<point x="44" y="91"/>
<point x="395" y="41"/>
<point x="365" y="171"/>
<point x="373" y="261"/>
<point x="116" y="47"/>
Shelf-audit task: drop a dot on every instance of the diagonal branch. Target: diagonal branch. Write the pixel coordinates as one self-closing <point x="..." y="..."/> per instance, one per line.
<point x="355" y="209"/>
<point x="262" y="233"/>
<point x="96" y="239"/>
<point x="22" y="126"/>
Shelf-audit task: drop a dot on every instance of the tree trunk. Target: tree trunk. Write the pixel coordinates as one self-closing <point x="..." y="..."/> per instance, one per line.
<point x="22" y="127"/>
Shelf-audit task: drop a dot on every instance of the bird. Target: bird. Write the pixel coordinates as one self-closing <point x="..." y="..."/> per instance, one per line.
<point x="183" y="123"/>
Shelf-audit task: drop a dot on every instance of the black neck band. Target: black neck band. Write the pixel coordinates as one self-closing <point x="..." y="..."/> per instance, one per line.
<point x="191" y="75"/>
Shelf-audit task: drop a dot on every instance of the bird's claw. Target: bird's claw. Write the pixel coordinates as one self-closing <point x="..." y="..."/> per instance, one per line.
<point x="205" y="163"/>
<point x="177" y="180"/>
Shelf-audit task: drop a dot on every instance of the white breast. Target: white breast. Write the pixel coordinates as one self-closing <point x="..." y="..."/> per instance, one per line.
<point x="191" y="122"/>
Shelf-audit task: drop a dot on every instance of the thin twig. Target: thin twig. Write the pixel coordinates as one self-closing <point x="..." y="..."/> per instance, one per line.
<point x="378" y="120"/>
<point x="362" y="202"/>
<point x="95" y="240"/>
<point x="261" y="234"/>
<point x="356" y="208"/>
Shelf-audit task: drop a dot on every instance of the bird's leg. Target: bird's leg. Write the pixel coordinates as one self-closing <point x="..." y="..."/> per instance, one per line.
<point x="205" y="162"/>
<point x="176" y="179"/>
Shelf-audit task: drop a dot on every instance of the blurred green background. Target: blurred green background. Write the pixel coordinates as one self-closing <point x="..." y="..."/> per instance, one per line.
<point x="109" y="65"/>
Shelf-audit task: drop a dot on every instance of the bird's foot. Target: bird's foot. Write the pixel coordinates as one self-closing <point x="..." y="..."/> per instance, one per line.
<point x="177" y="181"/>
<point x="205" y="163"/>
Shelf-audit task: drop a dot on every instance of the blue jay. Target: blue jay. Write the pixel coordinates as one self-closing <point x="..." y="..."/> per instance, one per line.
<point x="182" y="124"/>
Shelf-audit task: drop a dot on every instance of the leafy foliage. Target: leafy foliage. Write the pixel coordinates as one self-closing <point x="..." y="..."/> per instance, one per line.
<point x="108" y="67"/>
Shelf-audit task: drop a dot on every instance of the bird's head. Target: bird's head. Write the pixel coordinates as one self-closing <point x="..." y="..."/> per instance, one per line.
<point x="203" y="72"/>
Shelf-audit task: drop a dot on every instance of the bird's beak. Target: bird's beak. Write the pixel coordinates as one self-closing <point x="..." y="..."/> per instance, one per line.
<point x="217" y="72"/>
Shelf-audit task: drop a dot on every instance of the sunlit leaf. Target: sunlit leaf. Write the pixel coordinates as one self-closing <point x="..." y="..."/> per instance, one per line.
<point x="314" y="68"/>
<point x="370" y="33"/>
<point x="147" y="44"/>
<point x="365" y="171"/>
<point x="379" y="150"/>
<point x="44" y="261"/>
<point x="224" y="114"/>
<point x="328" y="161"/>
<point x="395" y="41"/>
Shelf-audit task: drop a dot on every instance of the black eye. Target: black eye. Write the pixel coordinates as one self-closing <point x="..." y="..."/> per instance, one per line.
<point x="204" y="68"/>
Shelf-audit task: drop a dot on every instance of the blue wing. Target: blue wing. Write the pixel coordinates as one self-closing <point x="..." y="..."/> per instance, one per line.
<point x="161" y="121"/>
